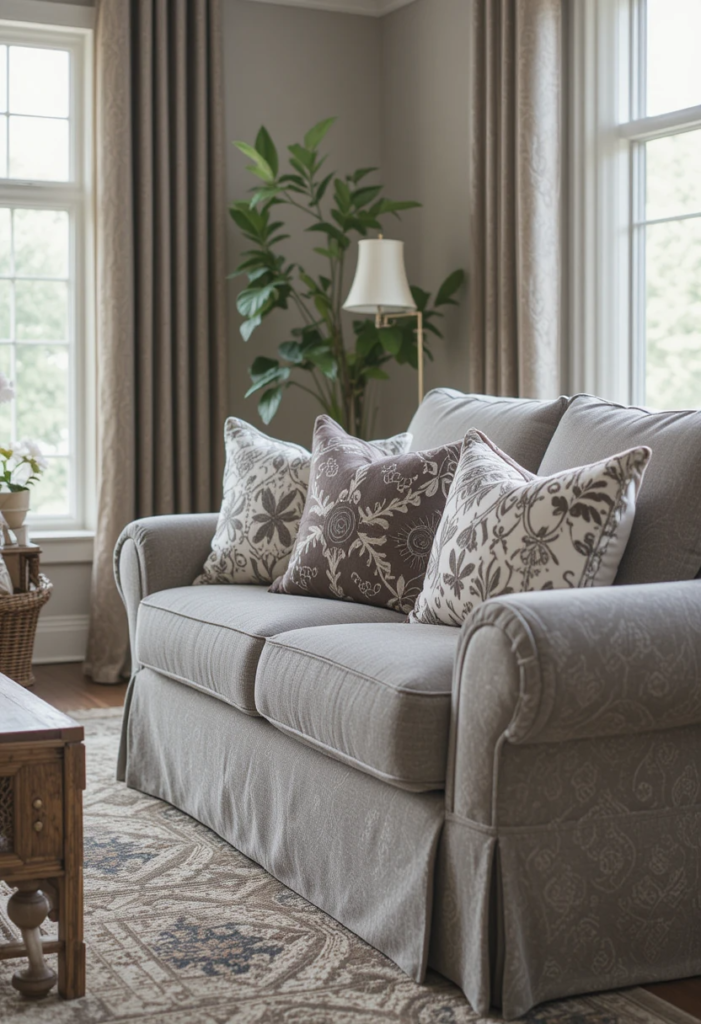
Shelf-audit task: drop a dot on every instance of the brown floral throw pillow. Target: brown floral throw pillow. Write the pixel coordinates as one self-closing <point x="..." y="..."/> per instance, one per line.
<point x="369" y="520"/>
<point x="505" y="531"/>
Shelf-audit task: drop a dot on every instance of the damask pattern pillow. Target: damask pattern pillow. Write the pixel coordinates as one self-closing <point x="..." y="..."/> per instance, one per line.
<point x="505" y="531"/>
<point x="369" y="520"/>
<point x="265" y="487"/>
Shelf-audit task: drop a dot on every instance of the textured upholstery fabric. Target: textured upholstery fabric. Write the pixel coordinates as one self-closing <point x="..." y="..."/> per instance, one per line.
<point x="374" y="696"/>
<point x="211" y="637"/>
<point x="522" y="427"/>
<point x="159" y="553"/>
<point x="360" y="850"/>
<point x="504" y="531"/>
<point x="576" y="753"/>
<point x="666" y="540"/>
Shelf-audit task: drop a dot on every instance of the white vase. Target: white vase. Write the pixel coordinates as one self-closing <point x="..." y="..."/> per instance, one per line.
<point x="14" y="506"/>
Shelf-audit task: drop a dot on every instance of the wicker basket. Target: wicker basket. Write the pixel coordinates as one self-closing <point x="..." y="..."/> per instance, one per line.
<point x="19" y="614"/>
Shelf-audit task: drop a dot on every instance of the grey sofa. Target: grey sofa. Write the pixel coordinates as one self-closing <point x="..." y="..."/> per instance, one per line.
<point x="516" y="803"/>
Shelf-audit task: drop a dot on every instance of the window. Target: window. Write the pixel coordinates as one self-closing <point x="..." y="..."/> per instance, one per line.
<point x="665" y="138"/>
<point x="45" y="280"/>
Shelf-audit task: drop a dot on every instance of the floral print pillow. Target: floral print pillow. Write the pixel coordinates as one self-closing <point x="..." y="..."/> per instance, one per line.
<point x="265" y="487"/>
<point x="369" y="520"/>
<point x="505" y="531"/>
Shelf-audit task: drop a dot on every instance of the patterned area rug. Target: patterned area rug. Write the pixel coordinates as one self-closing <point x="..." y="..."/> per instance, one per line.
<point x="183" y="929"/>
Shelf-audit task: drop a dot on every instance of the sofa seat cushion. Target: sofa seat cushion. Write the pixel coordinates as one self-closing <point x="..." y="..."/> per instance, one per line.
<point x="211" y="637"/>
<point x="375" y="696"/>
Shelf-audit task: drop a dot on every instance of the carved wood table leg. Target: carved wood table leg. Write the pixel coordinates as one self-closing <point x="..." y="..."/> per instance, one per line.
<point x="27" y="909"/>
<point x="71" y="961"/>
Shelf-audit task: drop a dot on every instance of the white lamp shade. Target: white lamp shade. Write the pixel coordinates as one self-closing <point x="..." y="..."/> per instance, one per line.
<point x="380" y="283"/>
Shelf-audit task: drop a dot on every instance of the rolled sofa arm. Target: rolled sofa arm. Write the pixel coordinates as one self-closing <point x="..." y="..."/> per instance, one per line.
<point x="557" y="666"/>
<point x="160" y="553"/>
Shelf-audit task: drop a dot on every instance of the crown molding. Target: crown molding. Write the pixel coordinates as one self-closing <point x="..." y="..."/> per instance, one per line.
<point x="369" y="8"/>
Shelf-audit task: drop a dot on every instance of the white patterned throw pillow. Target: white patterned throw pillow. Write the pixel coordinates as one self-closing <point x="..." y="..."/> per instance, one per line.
<point x="265" y="487"/>
<point x="505" y="531"/>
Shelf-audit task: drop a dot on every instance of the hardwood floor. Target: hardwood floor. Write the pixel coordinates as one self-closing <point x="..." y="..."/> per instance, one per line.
<point x="66" y="688"/>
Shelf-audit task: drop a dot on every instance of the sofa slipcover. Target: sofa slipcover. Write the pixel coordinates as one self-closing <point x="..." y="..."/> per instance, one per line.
<point x="375" y="696"/>
<point x="358" y="849"/>
<point x="665" y="543"/>
<point x="522" y="427"/>
<point x="211" y="637"/>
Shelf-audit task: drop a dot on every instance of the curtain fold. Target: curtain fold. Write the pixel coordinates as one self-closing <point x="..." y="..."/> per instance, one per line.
<point x="160" y="258"/>
<point x="516" y="147"/>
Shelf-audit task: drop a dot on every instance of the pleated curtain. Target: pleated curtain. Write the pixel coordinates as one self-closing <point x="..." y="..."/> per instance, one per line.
<point x="516" y="197"/>
<point x="160" y="221"/>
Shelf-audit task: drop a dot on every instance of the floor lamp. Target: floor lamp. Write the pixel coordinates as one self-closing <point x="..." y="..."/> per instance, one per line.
<point x="380" y="288"/>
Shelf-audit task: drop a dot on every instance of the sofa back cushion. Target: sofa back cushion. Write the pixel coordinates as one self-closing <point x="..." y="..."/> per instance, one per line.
<point x="522" y="427"/>
<point x="665" y="543"/>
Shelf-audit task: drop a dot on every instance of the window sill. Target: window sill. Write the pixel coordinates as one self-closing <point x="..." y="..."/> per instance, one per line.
<point x="64" y="547"/>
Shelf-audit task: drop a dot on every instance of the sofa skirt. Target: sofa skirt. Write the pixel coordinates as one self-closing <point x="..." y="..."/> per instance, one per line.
<point x="360" y="850"/>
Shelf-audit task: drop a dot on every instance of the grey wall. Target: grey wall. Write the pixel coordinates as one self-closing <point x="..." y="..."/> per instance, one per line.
<point x="425" y="156"/>
<point x="288" y="68"/>
<point x="400" y="85"/>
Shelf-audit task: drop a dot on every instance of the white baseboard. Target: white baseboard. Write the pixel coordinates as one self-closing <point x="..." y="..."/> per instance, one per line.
<point x="60" y="638"/>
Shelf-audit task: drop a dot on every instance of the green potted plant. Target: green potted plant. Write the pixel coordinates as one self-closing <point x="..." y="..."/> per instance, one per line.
<point x="317" y="357"/>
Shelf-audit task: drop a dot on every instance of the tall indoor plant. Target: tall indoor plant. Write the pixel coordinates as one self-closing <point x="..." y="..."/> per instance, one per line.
<point x="317" y="357"/>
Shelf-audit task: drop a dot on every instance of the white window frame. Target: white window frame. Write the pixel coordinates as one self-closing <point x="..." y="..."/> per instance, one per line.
<point x="606" y="197"/>
<point x="599" y="250"/>
<point x="637" y="132"/>
<point x="75" y="196"/>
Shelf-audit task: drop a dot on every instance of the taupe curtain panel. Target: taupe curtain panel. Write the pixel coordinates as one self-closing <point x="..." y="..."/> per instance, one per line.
<point x="515" y="275"/>
<point x="160" y="216"/>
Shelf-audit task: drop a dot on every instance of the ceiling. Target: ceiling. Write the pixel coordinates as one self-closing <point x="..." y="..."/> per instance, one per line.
<point x="371" y="8"/>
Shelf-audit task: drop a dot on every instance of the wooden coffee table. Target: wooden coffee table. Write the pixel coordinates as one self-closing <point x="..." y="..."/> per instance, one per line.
<point x="42" y="778"/>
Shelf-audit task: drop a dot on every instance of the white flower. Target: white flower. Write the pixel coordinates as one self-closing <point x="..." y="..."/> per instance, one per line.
<point x="32" y="451"/>
<point x="7" y="392"/>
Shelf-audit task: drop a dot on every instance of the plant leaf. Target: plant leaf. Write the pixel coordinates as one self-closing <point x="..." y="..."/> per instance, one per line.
<point x="291" y="351"/>
<point x="303" y="156"/>
<point x="420" y="297"/>
<point x="324" y="360"/>
<point x="261" y="166"/>
<point x="266" y="147"/>
<point x="332" y="231"/>
<point x="449" y="287"/>
<point x="316" y="134"/>
<point x="361" y="173"/>
<point x="260" y="366"/>
<point x="343" y="195"/>
<point x="392" y="206"/>
<point x="253" y="300"/>
<point x="368" y="338"/>
<point x="363" y="196"/>
<point x="277" y="373"/>
<point x="321" y="190"/>
<point x="248" y="326"/>
<point x="391" y="339"/>
<point x="269" y="404"/>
